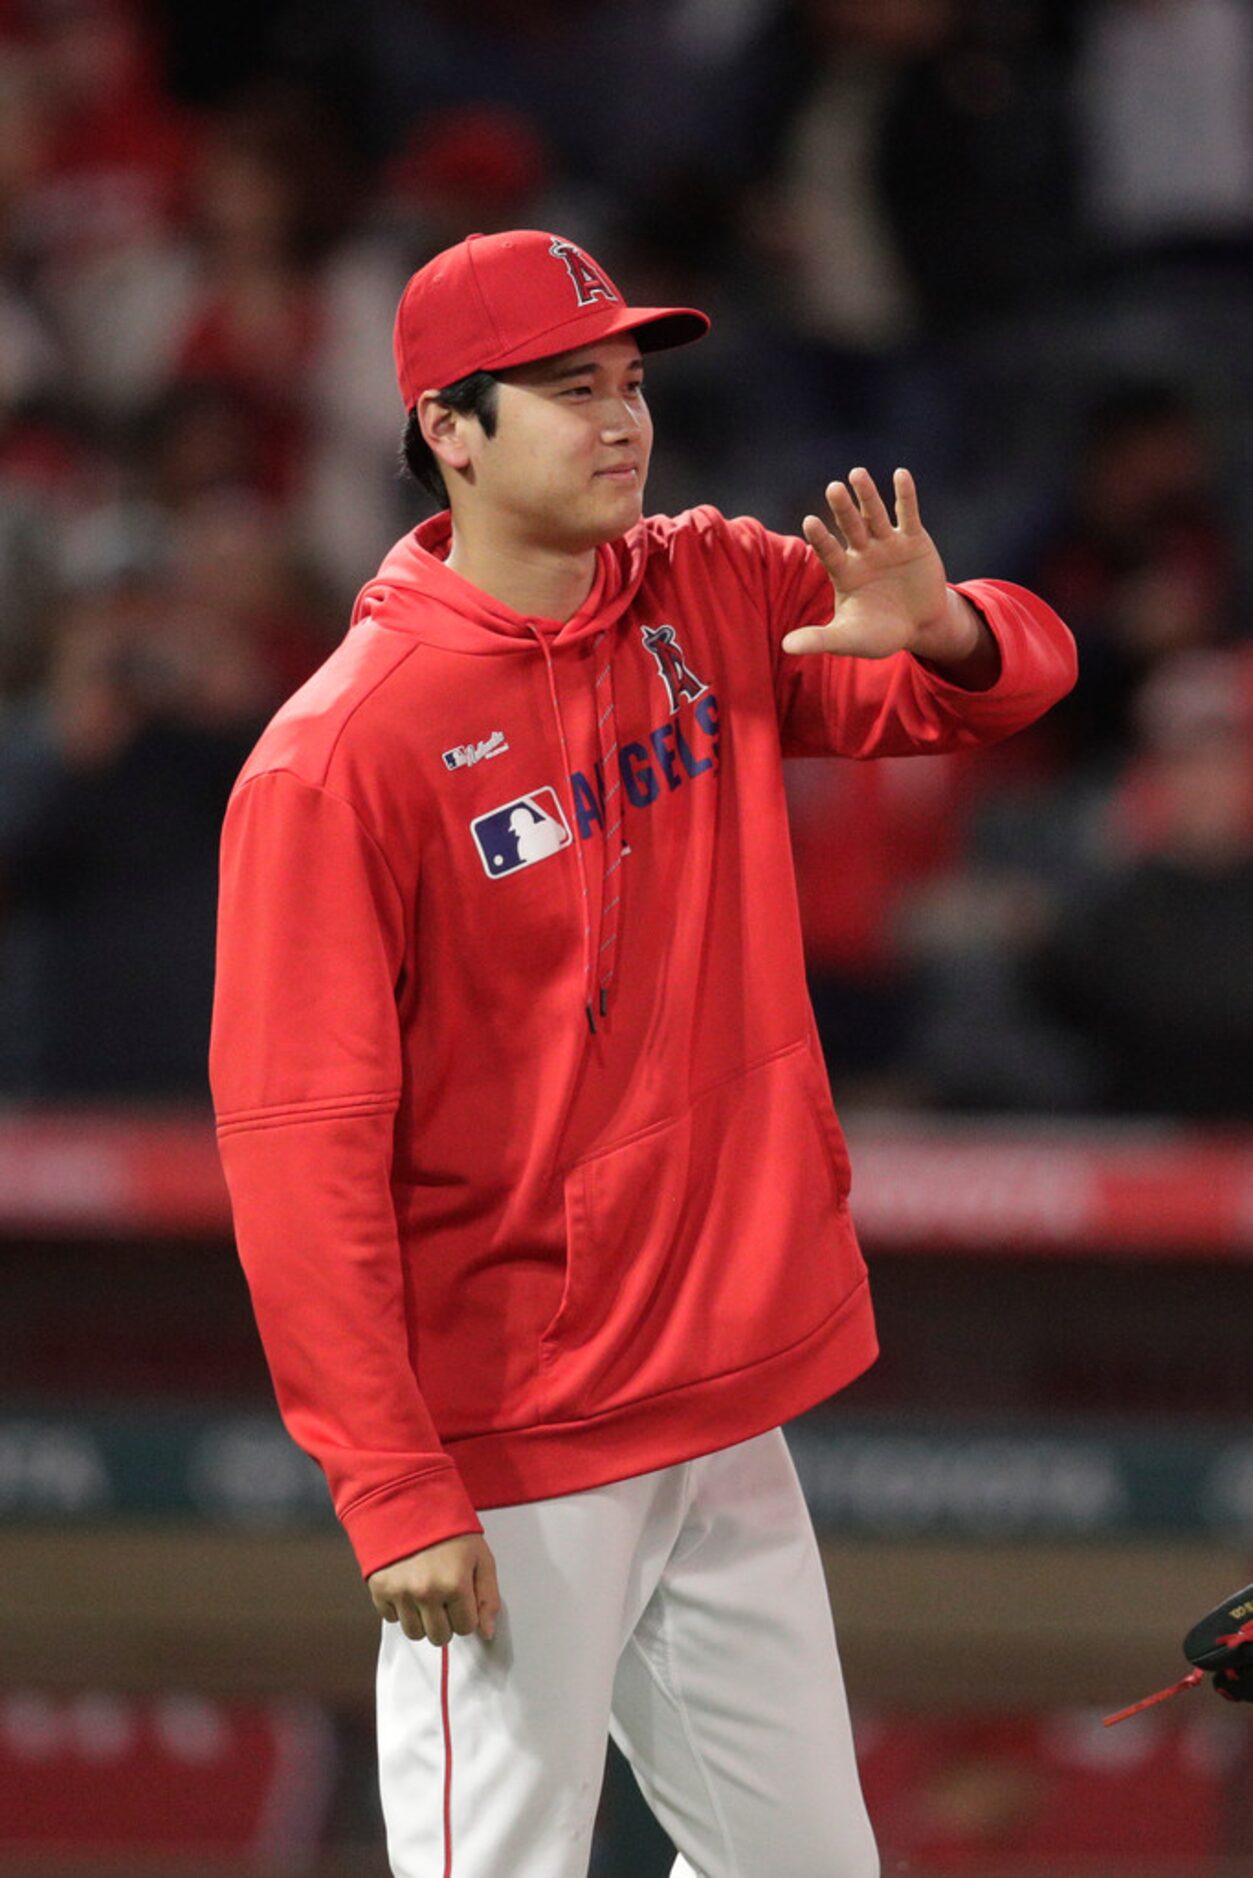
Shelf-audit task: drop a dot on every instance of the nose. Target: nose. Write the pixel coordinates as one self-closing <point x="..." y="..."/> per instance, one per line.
<point x="623" y="421"/>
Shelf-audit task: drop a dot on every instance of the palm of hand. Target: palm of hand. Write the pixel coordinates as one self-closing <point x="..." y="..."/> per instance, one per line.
<point x="888" y="578"/>
<point x="885" y="592"/>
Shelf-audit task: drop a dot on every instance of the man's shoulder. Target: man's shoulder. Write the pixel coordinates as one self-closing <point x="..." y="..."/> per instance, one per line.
<point x="705" y="529"/>
<point x="307" y="731"/>
<point x="737" y="551"/>
<point x="704" y="522"/>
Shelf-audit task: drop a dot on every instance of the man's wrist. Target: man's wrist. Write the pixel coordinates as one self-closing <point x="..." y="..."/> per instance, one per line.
<point x="962" y="649"/>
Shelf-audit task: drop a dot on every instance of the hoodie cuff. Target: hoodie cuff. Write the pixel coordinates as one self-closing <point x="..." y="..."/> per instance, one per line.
<point x="407" y="1516"/>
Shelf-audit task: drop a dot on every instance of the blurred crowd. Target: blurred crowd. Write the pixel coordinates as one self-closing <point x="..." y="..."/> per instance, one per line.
<point x="1008" y="242"/>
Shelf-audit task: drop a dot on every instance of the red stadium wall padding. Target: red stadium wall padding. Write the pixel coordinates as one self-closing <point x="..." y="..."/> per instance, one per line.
<point x="986" y="1796"/>
<point x="177" y="1773"/>
<point x="1115" y="1189"/>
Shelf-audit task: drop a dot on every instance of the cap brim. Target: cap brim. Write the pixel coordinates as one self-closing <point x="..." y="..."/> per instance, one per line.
<point x="657" y="329"/>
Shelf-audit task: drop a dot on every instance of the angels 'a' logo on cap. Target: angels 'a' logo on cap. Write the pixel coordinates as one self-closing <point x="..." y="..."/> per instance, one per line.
<point x="589" y="283"/>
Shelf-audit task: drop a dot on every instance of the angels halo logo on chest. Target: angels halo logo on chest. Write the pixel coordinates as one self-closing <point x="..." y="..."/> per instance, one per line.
<point x="680" y="681"/>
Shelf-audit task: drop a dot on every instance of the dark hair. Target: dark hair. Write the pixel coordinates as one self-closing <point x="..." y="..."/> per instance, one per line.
<point x="473" y="396"/>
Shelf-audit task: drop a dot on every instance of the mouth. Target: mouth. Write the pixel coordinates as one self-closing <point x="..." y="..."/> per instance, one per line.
<point x="620" y="473"/>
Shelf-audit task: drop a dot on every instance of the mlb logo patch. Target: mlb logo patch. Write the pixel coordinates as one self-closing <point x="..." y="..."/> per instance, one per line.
<point x="520" y="833"/>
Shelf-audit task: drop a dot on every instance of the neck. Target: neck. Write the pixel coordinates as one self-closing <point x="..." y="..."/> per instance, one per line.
<point x="538" y="582"/>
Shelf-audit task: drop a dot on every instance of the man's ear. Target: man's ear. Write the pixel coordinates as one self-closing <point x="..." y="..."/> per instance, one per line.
<point x="445" y="431"/>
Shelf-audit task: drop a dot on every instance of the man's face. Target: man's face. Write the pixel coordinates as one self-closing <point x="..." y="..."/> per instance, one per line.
<point x="567" y="465"/>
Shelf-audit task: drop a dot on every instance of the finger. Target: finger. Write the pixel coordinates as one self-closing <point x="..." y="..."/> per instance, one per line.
<point x="488" y="1595"/>
<point x="908" y="520"/>
<point x="824" y="544"/>
<point x="411" y="1622"/>
<point x="463" y="1613"/>
<point x="873" y="508"/>
<point x="386" y="1610"/>
<point x="847" y="514"/>
<point x="435" y="1625"/>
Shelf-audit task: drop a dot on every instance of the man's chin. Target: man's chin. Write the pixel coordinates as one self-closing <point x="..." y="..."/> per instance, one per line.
<point x="621" y="518"/>
<point x="596" y="525"/>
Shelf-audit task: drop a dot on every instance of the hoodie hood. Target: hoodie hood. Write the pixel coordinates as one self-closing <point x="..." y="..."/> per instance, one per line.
<point x="461" y="616"/>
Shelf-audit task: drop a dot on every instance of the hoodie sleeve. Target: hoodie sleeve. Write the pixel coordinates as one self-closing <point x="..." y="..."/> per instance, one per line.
<point x="857" y="707"/>
<point x="305" y="1069"/>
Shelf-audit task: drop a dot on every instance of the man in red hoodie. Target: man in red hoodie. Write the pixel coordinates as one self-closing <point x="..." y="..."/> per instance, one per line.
<point x="536" y="1178"/>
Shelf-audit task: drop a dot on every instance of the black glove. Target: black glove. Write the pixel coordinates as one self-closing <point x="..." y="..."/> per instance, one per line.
<point x="1223" y="1642"/>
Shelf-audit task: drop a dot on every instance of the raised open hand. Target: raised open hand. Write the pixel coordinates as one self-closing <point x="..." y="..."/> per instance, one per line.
<point x="890" y="589"/>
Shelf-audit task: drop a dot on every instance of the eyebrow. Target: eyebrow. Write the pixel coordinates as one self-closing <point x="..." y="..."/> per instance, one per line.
<point x="581" y="370"/>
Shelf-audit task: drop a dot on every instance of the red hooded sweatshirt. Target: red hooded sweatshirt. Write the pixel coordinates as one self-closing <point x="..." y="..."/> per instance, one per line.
<point x="535" y="1174"/>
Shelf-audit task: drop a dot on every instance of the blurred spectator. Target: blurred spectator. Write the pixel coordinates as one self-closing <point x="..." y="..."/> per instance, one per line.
<point x="211" y="55"/>
<point x="113" y="149"/>
<point x="231" y="561"/>
<point x="28" y="355"/>
<point x="112" y="787"/>
<point x="967" y="937"/>
<point x="1154" y="966"/>
<point x="627" y="96"/>
<point x="457" y="168"/>
<point x="822" y="223"/>
<point x="1141" y="565"/>
<point x="1166" y="134"/>
<point x="199" y="437"/>
<point x="462" y="166"/>
<point x="1104" y="931"/>
<point x="976" y="168"/>
<point x="864" y="836"/>
<point x="920" y="192"/>
<point x="107" y="157"/>
<point x="924" y="177"/>
<point x="32" y="368"/>
<point x="270" y="194"/>
<point x="51" y="470"/>
<point x="27" y="554"/>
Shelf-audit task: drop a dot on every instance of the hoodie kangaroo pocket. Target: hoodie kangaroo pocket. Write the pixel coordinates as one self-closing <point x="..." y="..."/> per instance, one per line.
<point x="704" y="1244"/>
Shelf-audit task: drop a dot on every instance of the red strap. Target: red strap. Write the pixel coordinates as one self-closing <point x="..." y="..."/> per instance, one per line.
<point x="447" y="1720"/>
<point x="1163" y="1695"/>
<point x="1233" y="1638"/>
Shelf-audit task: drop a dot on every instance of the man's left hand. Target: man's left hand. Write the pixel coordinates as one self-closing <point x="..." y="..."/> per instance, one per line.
<point x="891" y="594"/>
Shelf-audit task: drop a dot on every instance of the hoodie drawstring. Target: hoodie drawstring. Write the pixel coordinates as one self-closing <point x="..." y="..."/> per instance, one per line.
<point x="599" y="956"/>
<point x="616" y="847"/>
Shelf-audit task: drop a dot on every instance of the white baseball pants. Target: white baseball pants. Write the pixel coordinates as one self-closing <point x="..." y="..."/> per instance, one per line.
<point x="685" y="1612"/>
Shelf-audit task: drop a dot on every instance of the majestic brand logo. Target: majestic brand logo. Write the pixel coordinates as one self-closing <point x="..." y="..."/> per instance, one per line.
<point x="677" y="675"/>
<point x="520" y="833"/>
<point x="589" y="283"/>
<point x="462" y="755"/>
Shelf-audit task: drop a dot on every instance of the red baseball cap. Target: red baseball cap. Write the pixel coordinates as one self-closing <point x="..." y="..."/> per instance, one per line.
<point x="508" y="299"/>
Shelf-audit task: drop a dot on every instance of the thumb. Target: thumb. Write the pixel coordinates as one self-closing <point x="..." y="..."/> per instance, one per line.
<point x="811" y="639"/>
